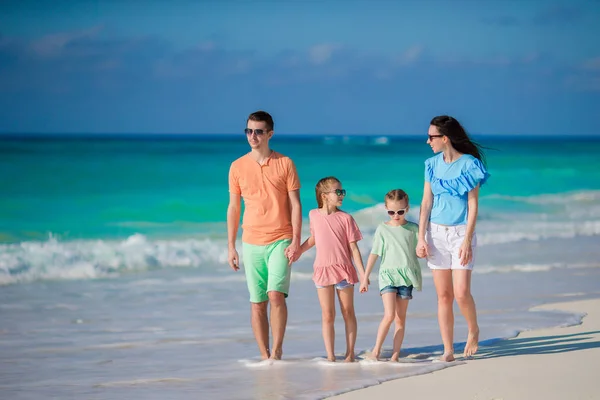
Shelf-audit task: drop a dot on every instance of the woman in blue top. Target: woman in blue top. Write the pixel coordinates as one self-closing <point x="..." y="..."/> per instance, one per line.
<point x="447" y="224"/>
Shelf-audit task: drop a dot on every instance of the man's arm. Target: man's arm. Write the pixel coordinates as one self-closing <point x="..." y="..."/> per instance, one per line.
<point x="293" y="250"/>
<point x="294" y="196"/>
<point x="233" y="223"/>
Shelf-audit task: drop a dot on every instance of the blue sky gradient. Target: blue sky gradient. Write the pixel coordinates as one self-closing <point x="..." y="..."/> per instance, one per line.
<point x="334" y="67"/>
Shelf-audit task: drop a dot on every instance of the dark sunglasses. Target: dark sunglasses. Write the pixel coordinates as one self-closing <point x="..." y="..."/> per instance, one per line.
<point x="399" y="212"/>
<point x="339" y="192"/>
<point x="431" y="137"/>
<point x="257" y="132"/>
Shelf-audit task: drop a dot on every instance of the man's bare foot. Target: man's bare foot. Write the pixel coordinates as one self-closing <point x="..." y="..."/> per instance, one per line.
<point x="447" y="357"/>
<point x="472" y="343"/>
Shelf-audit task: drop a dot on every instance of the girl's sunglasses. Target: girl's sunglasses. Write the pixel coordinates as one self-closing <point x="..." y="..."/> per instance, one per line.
<point x="399" y="212"/>
<point x="339" y="192"/>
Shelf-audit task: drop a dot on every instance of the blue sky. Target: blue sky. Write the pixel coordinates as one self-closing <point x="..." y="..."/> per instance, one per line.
<point x="329" y="66"/>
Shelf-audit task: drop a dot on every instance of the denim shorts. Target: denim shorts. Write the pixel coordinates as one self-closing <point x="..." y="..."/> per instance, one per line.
<point x="404" y="292"/>
<point x="339" y="286"/>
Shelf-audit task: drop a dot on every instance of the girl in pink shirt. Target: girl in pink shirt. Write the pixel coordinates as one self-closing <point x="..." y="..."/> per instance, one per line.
<point x="335" y="234"/>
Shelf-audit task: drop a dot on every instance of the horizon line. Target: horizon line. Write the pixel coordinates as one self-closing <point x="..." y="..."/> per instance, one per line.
<point x="341" y="135"/>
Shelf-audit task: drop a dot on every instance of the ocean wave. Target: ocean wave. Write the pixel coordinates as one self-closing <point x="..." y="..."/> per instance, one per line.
<point x="56" y="259"/>
<point x="74" y="260"/>
<point x="582" y="196"/>
<point x="578" y="215"/>
<point x="88" y="259"/>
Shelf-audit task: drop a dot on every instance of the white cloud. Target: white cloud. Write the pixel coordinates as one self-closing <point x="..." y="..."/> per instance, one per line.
<point x="321" y="53"/>
<point x="409" y="56"/>
<point x="51" y="45"/>
<point x="592" y="64"/>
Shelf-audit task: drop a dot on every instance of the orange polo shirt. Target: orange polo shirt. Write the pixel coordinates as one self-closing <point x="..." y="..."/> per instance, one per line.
<point x="264" y="188"/>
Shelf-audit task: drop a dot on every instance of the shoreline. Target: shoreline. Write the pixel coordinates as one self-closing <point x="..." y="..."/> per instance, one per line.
<point x="549" y="363"/>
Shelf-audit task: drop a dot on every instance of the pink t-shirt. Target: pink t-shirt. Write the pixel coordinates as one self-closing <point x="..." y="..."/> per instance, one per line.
<point x="333" y="234"/>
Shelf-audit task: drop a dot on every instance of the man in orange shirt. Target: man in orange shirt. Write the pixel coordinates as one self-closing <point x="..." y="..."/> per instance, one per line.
<point x="271" y="226"/>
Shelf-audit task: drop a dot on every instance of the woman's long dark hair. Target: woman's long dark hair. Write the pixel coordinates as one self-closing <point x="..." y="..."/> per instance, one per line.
<point x="459" y="138"/>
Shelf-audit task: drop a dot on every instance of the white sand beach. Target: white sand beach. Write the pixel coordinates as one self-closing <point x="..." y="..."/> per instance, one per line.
<point x="557" y="363"/>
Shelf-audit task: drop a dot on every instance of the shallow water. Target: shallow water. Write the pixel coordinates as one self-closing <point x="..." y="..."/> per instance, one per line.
<point x="130" y="295"/>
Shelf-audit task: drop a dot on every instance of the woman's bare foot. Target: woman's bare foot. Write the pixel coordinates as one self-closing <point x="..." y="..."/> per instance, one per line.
<point x="369" y="356"/>
<point x="447" y="357"/>
<point x="331" y="358"/>
<point x="395" y="357"/>
<point x="265" y="356"/>
<point x="472" y="343"/>
<point x="276" y="355"/>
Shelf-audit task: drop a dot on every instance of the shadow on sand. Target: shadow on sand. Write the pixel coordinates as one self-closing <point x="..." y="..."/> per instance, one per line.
<point x="537" y="345"/>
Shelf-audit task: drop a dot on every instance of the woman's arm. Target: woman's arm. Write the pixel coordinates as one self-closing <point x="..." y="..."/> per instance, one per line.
<point x="426" y="205"/>
<point x="465" y="253"/>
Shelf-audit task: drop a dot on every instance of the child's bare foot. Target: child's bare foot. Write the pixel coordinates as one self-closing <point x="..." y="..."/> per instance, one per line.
<point x="472" y="343"/>
<point x="447" y="357"/>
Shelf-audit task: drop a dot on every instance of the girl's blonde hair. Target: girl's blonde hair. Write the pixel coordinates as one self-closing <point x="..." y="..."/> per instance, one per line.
<point x="396" y="195"/>
<point x="324" y="186"/>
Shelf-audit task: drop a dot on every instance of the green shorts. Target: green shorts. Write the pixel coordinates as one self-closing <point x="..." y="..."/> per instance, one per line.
<point x="267" y="269"/>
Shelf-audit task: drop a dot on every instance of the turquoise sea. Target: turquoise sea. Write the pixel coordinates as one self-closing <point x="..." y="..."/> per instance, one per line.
<point x="113" y="275"/>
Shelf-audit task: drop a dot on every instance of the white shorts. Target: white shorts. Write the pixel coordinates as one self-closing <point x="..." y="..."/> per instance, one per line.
<point x="443" y="243"/>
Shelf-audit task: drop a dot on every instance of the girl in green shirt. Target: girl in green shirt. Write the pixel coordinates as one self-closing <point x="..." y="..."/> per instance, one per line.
<point x="395" y="241"/>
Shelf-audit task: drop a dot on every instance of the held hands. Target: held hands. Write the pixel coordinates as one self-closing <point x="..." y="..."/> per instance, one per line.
<point x="422" y="250"/>
<point x="293" y="252"/>
<point x="233" y="259"/>
<point x="364" y="285"/>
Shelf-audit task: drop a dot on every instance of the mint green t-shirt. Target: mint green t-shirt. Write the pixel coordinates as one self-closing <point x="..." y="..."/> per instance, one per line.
<point x="396" y="245"/>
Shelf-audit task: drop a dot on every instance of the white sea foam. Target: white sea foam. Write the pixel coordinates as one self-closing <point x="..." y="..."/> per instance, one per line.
<point x="149" y="381"/>
<point x="572" y="215"/>
<point x="583" y="196"/>
<point x="86" y="259"/>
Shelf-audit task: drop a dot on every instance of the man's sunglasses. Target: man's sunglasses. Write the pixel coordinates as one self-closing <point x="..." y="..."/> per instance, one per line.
<point x="399" y="212"/>
<point x="431" y="137"/>
<point x="339" y="192"/>
<point x="257" y="132"/>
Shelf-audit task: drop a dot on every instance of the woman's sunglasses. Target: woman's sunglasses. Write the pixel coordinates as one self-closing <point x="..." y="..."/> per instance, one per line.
<point x="339" y="192"/>
<point x="399" y="212"/>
